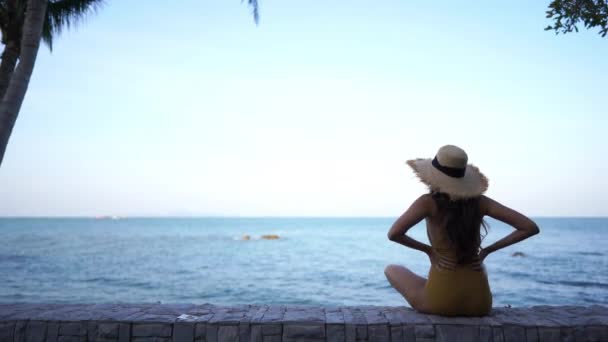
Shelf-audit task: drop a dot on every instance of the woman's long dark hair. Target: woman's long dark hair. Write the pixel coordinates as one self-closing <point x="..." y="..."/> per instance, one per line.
<point x="463" y="221"/>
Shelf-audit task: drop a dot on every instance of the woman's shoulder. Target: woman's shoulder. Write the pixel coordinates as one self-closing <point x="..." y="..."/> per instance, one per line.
<point x="428" y="202"/>
<point x="485" y="203"/>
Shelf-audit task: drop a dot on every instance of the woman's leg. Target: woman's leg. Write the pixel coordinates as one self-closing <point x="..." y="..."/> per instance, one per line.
<point x="409" y="284"/>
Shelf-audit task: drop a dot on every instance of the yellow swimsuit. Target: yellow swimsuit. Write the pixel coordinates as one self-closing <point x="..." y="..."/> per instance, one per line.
<point x="459" y="292"/>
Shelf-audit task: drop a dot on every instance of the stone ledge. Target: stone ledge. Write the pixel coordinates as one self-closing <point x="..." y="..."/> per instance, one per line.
<point x="270" y="323"/>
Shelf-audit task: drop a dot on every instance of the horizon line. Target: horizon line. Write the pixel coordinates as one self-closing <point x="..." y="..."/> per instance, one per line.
<point x="120" y="217"/>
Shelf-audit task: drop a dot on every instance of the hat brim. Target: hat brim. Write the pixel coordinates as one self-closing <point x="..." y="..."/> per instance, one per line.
<point x="473" y="184"/>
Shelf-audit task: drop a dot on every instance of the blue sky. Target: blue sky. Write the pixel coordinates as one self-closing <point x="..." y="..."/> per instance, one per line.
<point x="193" y="110"/>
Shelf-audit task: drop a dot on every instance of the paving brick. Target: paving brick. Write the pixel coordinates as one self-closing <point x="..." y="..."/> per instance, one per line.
<point x="107" y="330"/>
<point x="200" y="330"/>
<point x="409" y="333"/>
<point x="531" y="335"/>
<point x="124" y="332"/>
<point x="52" y="332"/>
<point x="151" y="330"/>
<point x="456" y="333"/>
<point x="574" y="334"/>
<point x="312" y="314"/>
<point x="514" y="333"/>
<point x="378" y="333"/>
<point x="374" y="315"/>
<point x="436" y="320"/>
<point x="271" y="329"/>
<point x="92" y="327"/>
<point x="7" y="331"/>
<point x="211" y="333"/>
<point x="310" y="331"/>
<point x="350" y="332"/>
<point x="425" y="330"/>
<point x="396" y="332"/>
<point x="335" y="332"/>
<point x="394" y="316"/>
<point x="244" y="331"/>
<point x="228" y="333"/>
<point x="412" y="317"/>
<point x="73" y="329"/>
<point x="72" y="339"/>
<point x="332" y="316"/>
<point x="256" y="333"/>
<point x="498" y="334"/>
<point x="35" y="331"/>
<point x="353" y="315"/>
<point x="274" y="314"/>
<point x="361" y="330"/>
<point x="259" y="313"/>
<point x="485" y="333"/>
<point x="228" y="315"/>
<point x="597" y="333"/>
<point x="183" y="332"/>
<point x="567" y="334"/>
<point x="549" y="334"/>
<point x="273" y="338"/>
<point x="151" y="339"/>
<point x="521" y="317"/>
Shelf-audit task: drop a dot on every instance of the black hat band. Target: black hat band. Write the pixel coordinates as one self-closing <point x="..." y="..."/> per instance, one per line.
<point x="448" y="171"/>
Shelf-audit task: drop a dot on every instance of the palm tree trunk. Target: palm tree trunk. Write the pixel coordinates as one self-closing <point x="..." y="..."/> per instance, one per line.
<point x="15" y="93"/>
<point x="12" y="32"/>
<point x="7" y="66"/>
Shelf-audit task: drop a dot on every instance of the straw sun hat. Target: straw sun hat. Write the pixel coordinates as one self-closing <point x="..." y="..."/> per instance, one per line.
<point x="449" y="173"/>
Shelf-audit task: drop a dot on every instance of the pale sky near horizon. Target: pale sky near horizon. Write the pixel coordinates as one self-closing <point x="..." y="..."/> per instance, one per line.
<point x="193" y="110"/>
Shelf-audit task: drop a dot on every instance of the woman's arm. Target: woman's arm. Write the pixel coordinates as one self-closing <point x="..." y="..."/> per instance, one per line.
<point x="414" y="214"/>
<point x="524" y="227"/>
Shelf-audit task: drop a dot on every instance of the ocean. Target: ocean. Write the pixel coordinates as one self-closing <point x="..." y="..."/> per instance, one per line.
<point x="325" y="261"/>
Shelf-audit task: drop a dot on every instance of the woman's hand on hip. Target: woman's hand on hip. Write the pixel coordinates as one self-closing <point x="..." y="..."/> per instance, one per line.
<point x="478" y="261"/>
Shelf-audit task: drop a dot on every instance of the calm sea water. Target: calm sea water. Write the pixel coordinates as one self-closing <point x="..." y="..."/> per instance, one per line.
<point x="331" y="261"/>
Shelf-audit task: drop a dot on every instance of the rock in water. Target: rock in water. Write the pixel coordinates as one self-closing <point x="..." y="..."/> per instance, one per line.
<point x="246" y="237"/>
<point x="518" y="254"/>
<point x="270" y="237"/>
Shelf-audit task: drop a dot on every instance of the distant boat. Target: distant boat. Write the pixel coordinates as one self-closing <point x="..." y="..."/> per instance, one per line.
<point x="107" y="217"/>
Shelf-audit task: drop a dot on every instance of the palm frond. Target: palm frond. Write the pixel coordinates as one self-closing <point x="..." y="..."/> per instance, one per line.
<point x="255" y="9"/>
<point x="64" y="14"/>
<point x="47" y="33"/>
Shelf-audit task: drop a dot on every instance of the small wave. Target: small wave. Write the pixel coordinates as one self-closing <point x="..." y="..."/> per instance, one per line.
<point x="136" y="283"/>
<point x="99" y="280"/>
<point x="575" y="283"/>
<point x="142" y="285"/>
<point x="184" y="271"/>
<point x="369" y="285"/>
<point x="517" y="274"/>
<point x="16" y="257"/>
<point x="12" y="296"/>
<point x="590" y="253"/>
